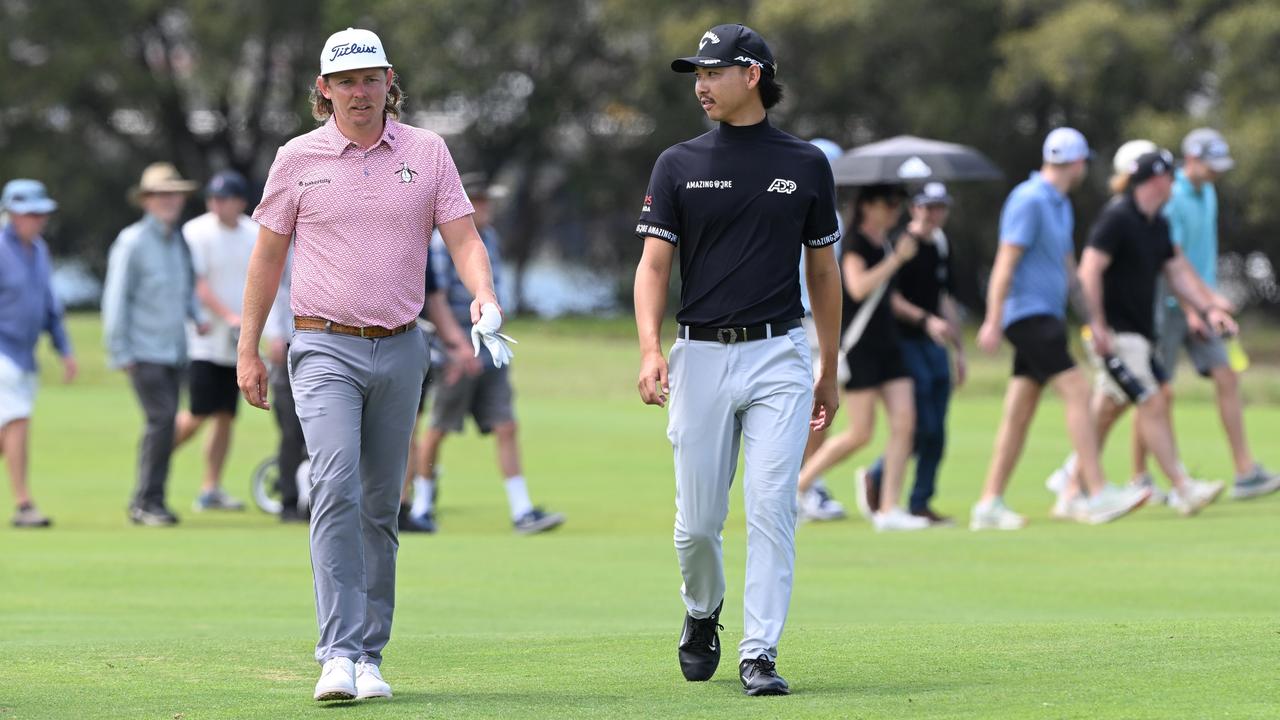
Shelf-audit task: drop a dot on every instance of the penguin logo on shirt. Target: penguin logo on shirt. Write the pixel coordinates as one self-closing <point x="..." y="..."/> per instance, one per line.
<point x="406" y="173"/>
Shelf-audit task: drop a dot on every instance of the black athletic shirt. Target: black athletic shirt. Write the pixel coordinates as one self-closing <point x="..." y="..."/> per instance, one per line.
<point x="1139" y="248"/>
<point x="881" y="331"/>
<point x="738" y="203"/>
<point x="921" y="282"/>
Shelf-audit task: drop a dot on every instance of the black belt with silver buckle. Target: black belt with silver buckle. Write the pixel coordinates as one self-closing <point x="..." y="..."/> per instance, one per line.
<point x="730" y="335"/>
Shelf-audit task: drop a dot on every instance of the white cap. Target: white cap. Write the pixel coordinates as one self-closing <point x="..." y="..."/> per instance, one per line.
<point x="1208" y="145"/>
<point x="1126" y="159"/>
<point x="934" y="193"/>
<point x="1065" y="145"/>
<point x="352" y="49"/>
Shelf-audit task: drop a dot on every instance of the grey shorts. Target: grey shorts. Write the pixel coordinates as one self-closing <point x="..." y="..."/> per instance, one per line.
<point x="486" y="397"/>
<point x="1205" y="353"/>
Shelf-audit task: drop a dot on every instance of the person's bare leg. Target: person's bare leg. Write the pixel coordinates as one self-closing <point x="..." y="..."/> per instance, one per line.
<point x="13" y="442"/>
<point x="860" y="408"/>
<point x="1139" y="453"/>
<point x="216" y="446"/>
<point x="1156" y="421"/>
<point x="900" y="409"/>
<point x="185" y="426"/>
<point x="429" y="449"/>
<point x="508" y="449"/>
<point x="1073" y="387"/>
<point x="1105" y="412"/>
<point x="816" y="438"/>
<point x="1020" y="401"/>
<point x="1226" y="384"/>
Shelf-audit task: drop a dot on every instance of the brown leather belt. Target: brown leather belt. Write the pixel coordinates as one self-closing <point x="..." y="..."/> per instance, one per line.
<point x="329" y="326"/>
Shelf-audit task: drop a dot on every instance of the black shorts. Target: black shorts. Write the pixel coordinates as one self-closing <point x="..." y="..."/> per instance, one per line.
<point x="1039" y="347"/>
<point x="213" y="388"/>
<point x="873" y="366"/>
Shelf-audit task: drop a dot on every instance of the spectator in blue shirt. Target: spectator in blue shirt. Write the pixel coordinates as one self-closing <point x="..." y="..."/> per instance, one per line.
<point x="1034" y="271"/>
<point x="27" y="308"/>
<point x="148" y="296"/>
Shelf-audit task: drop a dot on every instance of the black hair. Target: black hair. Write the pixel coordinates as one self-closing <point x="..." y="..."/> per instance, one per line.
<point x="872" y="193"/>
<point x="770" y="90"/>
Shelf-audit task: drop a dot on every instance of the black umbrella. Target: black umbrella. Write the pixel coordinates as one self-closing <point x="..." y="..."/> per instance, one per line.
<point x="908" y="159"/>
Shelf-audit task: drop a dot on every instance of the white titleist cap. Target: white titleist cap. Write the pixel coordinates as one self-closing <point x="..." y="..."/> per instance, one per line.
<point x="1065" y="145"/>
<point x="352" y="49"/>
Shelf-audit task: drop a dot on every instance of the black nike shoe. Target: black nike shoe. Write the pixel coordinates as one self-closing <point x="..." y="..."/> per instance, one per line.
<point x="760" y="677"/>
<point x="700" y="646"/>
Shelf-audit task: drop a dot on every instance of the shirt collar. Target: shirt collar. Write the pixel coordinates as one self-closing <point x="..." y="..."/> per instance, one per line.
<point x="1047" y="188"/>
<point x="339" y="143"/>
<point x="153" y="224"/>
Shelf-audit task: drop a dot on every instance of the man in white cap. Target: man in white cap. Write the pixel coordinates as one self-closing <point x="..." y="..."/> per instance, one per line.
<point x="1192" y="213"/>
<point x="359" y="197"/>
<point x="27" y="308"/>
<point x="148" y="296"/>
<point x="1033" y="274"/>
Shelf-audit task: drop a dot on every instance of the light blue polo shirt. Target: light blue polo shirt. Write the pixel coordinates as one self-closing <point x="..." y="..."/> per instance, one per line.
<point x="1193" y="225"/>
<point x="1038" y="219"/>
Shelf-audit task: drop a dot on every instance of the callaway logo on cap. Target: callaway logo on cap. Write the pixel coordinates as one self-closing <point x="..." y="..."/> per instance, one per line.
<point x="725" y="45"/>
<point x="352" y="49"/>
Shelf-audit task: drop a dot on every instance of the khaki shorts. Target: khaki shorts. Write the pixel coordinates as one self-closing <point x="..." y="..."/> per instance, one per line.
<point x="1138" y="355"/>
<point x="486" y="397"/>
<point x="17" y="391"/>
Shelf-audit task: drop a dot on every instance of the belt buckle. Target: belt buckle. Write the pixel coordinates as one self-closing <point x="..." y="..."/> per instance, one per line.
<point x="361" y="331"/>
<point x="728" y="336"/>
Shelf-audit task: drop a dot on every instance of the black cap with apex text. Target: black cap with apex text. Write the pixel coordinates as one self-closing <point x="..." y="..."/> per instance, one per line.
<point x="725" y="45"/>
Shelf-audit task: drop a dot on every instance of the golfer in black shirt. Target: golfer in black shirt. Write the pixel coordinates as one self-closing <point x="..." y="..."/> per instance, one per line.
<point x="738" y="204"/>
<point x="1129" y="248"/>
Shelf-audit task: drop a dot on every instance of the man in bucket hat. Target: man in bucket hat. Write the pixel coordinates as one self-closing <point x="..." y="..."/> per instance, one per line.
<point x="27" y="308"/>
<point x="358" y="197"/>
<point x="146" y="300"/>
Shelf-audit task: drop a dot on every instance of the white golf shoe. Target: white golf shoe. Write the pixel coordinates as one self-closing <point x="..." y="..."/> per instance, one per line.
<point x="369" y="682"/>
<point x="337" y="680"/>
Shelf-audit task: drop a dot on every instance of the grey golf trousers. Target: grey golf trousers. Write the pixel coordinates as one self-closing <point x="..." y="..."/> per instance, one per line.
<point x="760" y="391"/>
<point x="356" y="399"/>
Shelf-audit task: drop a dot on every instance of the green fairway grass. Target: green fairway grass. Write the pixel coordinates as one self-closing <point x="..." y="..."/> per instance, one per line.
<point x="1154" y="616"/>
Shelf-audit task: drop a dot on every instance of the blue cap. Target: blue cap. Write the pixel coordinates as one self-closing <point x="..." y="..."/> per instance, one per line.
<point x="24" y="196"/>
<point x="828" y="147"/>
<point x="227" y="183"/>
<point x="1066" y="145"/>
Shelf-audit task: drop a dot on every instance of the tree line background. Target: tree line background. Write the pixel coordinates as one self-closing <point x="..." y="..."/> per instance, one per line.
<point x="568" y="102"/>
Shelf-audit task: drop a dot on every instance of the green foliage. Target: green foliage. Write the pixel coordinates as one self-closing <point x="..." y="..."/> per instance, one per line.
<point x="570" y="102"/>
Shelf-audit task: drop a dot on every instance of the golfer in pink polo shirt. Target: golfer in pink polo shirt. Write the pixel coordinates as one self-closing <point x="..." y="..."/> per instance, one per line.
<point x="360" y="196"/>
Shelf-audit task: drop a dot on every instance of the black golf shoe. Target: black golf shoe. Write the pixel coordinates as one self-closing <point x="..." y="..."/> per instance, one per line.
<point x="700" y="646"/>
<point x="760" y="677"/>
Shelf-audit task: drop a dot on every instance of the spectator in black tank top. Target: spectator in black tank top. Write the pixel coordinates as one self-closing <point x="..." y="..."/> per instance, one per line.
<point x="872" y="364"/>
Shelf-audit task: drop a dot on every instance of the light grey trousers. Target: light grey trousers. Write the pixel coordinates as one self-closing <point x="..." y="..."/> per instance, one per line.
<point x="356" y="399"/>
<point x="760" y="392"/>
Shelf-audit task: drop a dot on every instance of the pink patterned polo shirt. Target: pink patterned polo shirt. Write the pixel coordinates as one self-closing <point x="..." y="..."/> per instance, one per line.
<point x="361" y="220"/>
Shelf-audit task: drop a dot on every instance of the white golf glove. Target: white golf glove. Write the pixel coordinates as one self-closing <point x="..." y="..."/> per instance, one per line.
<point x="486" y="331"/>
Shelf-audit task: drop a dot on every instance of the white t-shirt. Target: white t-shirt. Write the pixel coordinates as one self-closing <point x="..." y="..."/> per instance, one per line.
<point x="220" y="255"/>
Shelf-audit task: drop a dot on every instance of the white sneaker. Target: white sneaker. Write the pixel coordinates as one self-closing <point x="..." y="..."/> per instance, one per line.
<point x="337" y="680"/>
<point x="1114" y="503"/>
<point x="1158" y="496"/>
<point x="898" y="519"/>
<point x="1058" y="479"/>
<point x="995" y="515"/>
<point x="1074" y="508"/>
<point x="369" y="682"/>
<point x="817" y="504"/>
<point x="1195" y="496"/>
<point x="1255" y="484"/>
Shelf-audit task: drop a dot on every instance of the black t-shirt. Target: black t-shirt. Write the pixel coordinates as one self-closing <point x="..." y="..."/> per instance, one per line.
<point x="738" y="203"/>
<point x="881" y="330"/>
<point x="921" y="282"/>
<point x="1139" y="249"/>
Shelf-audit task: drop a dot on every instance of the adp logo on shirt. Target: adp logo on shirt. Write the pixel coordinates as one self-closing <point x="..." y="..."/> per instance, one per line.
<point x="782" y="186"/>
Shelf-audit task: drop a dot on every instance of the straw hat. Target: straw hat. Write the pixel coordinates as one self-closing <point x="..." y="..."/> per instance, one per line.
<point x="161" y="177"/>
